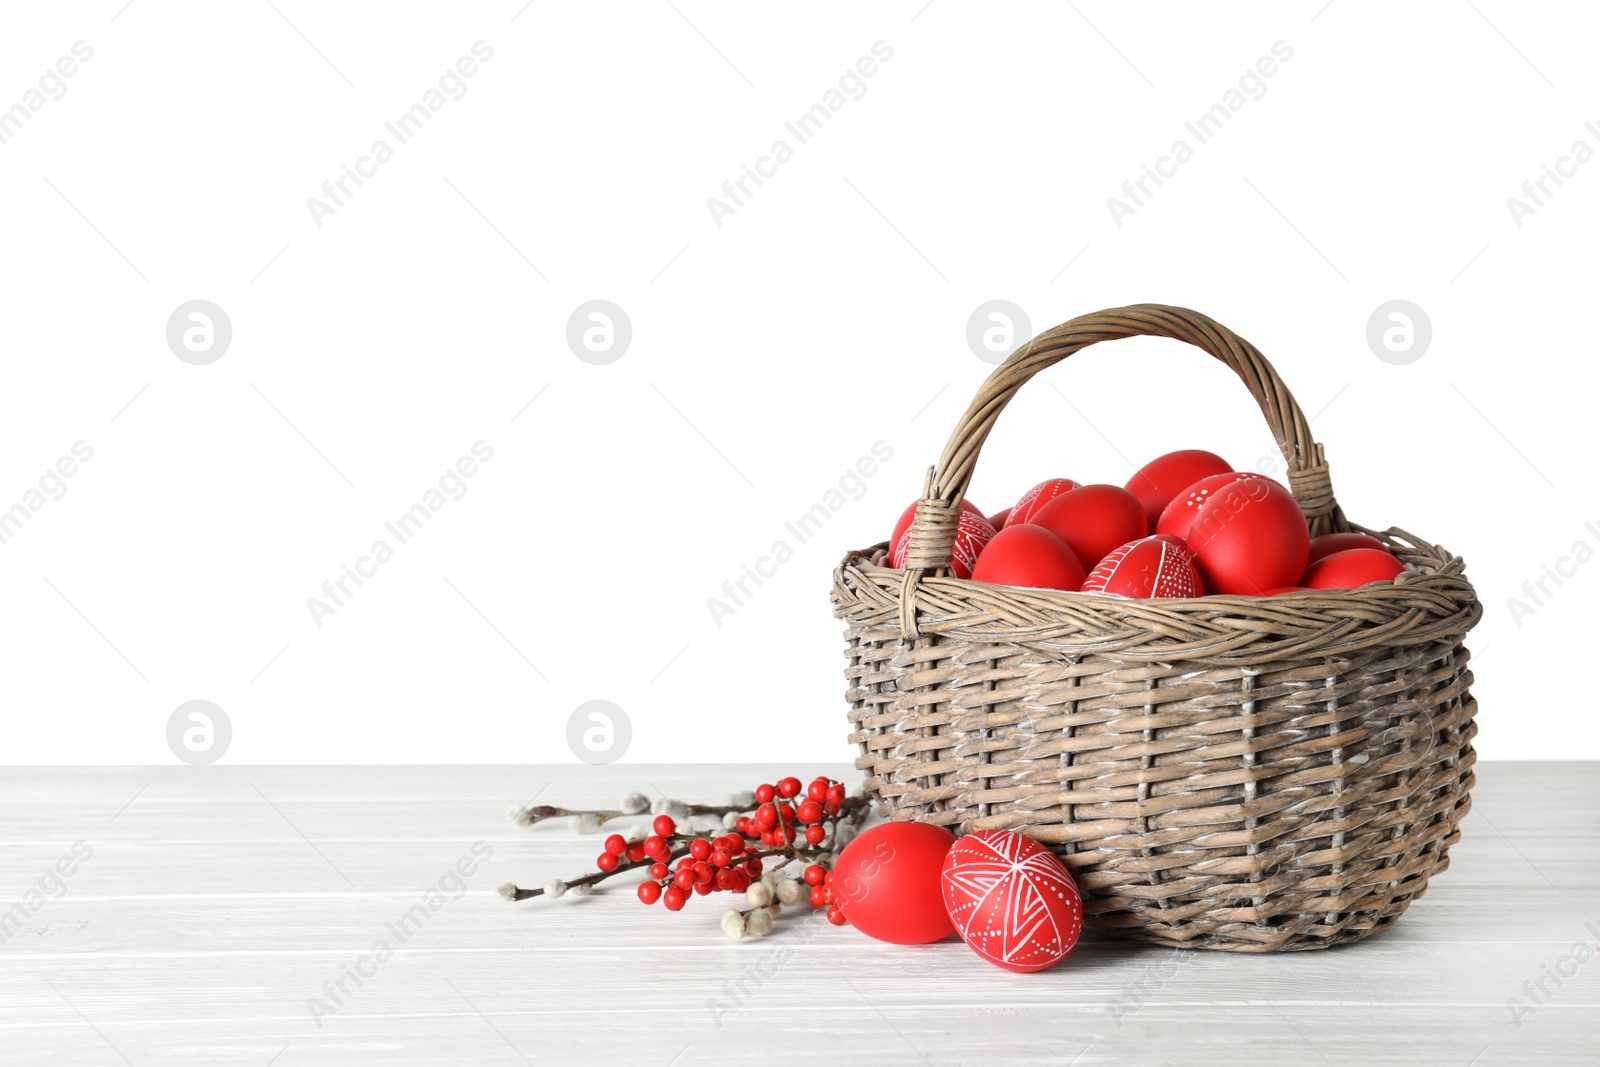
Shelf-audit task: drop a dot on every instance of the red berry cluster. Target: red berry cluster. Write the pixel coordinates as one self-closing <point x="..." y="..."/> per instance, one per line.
<point x="781" y="825"/>
<point x="773" y="823"/>
<point x="820" y="879"/>
<point x="704" y="866"/>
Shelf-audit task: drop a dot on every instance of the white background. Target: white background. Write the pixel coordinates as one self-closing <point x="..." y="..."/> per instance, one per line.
<point x="768" y="354"/>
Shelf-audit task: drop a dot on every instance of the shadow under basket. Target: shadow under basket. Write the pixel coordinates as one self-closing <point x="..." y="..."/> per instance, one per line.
<point x="1250" y="774"/>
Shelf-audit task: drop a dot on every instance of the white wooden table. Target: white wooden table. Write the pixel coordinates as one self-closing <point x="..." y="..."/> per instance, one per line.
<point x="218" y="901"/>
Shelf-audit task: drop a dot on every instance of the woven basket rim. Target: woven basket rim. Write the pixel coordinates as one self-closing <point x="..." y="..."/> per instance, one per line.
<point x="1439" y="560"/>
<point x="1431" y="601"/>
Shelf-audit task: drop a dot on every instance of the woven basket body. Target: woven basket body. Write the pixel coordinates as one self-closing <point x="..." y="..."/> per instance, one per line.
<point x="1241" y="773"/>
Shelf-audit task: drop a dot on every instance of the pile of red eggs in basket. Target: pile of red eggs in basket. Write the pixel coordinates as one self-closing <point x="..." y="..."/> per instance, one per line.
<point x="1185" y="525"/>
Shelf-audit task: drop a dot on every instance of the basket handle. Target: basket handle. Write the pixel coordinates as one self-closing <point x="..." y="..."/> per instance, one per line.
<point x="934" y="526"/>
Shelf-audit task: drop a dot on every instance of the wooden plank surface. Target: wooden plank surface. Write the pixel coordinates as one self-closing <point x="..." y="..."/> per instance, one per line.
<point x="218" y="901"/>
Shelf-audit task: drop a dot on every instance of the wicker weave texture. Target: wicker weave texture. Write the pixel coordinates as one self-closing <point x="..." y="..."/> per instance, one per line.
<point x="1240" y="773"/>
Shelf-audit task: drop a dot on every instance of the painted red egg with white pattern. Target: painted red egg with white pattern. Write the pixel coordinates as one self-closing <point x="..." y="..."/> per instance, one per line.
<point x="972" y="533"/>
<point x="1011" y="899"/>
<point x="1178" y="515"/>
<point x="903" y="523"/>
<point x="1158" y="566"/>
<point x="1037" y="497"/>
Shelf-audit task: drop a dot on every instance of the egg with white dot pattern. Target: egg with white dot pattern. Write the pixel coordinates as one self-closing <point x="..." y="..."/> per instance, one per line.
<point x="1011" y="899"/>
<point x="1179" y="515"/>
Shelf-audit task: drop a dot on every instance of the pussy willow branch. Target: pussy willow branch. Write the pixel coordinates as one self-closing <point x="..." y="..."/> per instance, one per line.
<point x="537" y="813"/>
<point x="596" y="877"/>
<point x="852" y="811"/>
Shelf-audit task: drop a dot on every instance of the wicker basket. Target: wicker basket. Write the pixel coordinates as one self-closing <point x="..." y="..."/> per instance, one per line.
<point x="1242" y="773"/>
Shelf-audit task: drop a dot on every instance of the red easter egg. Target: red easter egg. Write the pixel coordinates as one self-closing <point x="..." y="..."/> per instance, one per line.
<point x="1250" y="535"/>
<point x="1037" y="497"/>
<point x="1165" y="477"/>
<point x="1328" y="544"/>
<point x="998" y="519"/>
<point x="886" y="882"/>
<point x="1148" y="567"/>
<point x="1012" y="901"/>
<point x="972" y="533"/>
<point x="1093" y="520"/>
<point x="1352" y="568"/>
<point x="1179" y="514"/>
<point x="903" y="523"/>
<point x="1028" y="556"/>
<point x="1287" y="589"/>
